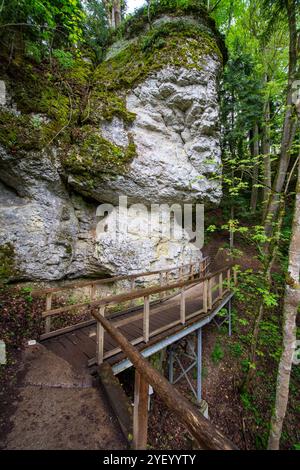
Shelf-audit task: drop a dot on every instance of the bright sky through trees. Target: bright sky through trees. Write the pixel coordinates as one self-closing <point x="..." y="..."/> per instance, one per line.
<point x="133" y="4"/>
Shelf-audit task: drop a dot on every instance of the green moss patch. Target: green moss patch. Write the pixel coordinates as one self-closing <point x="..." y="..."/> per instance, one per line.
<point x="18" y="132"/>
<point x="138" y="22"/>
<point x="104" y="105"/>
<point x="92" y="154"/>
<point x="178" y="44"/>
<point x="7" y="262"/>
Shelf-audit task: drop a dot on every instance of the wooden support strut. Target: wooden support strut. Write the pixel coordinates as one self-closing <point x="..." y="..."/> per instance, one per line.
<point x="234" y="276"/>
<point x="221" y="285"/>
<point x="48" y="319"/>
<point x="204" y="432"/>
<point x="161" y="283"/>
<point x="140" y="412"/>
<point x="205" y="296"/>
<point x="192" y="271"/>
<point x="132" y="286"/>
<point x="182" y="306"/>
<point x="100" y="338"/>
<point x="167" y="282"/>
<point x="228" y="279"/>
<point x="209" y="294"/>
<point x="93" y="292"/>
<point x="146" y="314"/>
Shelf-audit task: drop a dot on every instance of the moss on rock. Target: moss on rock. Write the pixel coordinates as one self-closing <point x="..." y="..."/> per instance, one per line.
<point x="67" y="106"/>
<point x="7" y="262"/>
<point x="104" y="105"/>
<point x="92" y="154"/>
<point x="178" y="44"/>
<point x="18" y="132"/>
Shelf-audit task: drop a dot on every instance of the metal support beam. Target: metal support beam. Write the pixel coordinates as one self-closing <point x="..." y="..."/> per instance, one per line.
<point x="199" y="364"/>
<point x="185" y="374"/>
<point x="148" y="351"/>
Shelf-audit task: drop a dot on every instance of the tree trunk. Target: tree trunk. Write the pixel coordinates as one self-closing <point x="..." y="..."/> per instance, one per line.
<point x="290" y="122"/>
<point x="205" y="433"/>
<point x="290" y="307"/>
<point x="113" y="10"/>
<point x="255" y="153"/>
<point x="267" y="182"/>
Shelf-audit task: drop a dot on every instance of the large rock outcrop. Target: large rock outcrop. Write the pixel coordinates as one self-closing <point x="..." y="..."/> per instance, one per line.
<point x="144" y="124"/>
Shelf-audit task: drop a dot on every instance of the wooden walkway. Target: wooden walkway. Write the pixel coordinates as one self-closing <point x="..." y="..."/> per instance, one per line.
<point x="145" y="325"/>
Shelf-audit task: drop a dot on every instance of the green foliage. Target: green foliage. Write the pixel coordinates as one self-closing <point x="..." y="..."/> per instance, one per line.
<point x="236" y="349"/>
<point x="64" y="58"/>
<point x="42" y="23"/>
<point x="270" y="338"/>
<point x="217" y="353"/>
<point x="96" y="32"/>
<point x="33" y="51"/>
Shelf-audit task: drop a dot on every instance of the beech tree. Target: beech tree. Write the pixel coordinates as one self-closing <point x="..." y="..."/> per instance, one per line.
<point x="276" y="9"/>
<point x="290" y="309"/>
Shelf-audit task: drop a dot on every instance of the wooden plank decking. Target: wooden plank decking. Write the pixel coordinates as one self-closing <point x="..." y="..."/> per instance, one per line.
<point x="79" y="346"/>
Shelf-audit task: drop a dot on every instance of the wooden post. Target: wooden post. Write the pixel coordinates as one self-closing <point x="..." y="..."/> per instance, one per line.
<point x="132" y="286"/>
<point x="93" y="292"/>
<point x="209" y="294"/>
<point x="235" y="276"/>
<point x="167" y="282"/>
<point x="146" y="319"/>
<point x="205" y="289"/>
<point x="48" y="307"/>
<point x="161" y="283"/>
<point x="140" y="412"/>
<point x="181" y="273"/>
<point x="221" y="285"/>
<point x="228" y="279"/>
<point x="204" y="432"/>
<point x="100" y="338"/>
<point x="193" y="271"/>
<point x="182" y="306"/>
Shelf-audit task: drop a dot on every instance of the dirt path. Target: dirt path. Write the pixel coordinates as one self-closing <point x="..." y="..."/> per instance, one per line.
<point x="55" y="407"/>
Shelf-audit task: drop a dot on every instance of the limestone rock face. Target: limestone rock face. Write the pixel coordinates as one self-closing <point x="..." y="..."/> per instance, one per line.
<point x="165" y="127"/>
<point x="176" y="136"/>
<point x="36" y="216"/>
<point x="143" y="246"/>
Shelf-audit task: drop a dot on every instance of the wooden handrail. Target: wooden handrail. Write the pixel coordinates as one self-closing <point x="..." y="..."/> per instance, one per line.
<point x="137" y="293"/>
<point x="109" y="280"/>
<point x="206" y="435"/>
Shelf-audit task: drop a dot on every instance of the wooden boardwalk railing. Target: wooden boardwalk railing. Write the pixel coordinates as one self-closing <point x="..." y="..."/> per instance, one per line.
<point x="194" y="293"/>
<point x="186" y="271"/>
<point x="206" y="435"/>
<point x="211" y="292"/>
